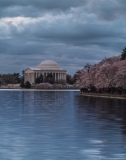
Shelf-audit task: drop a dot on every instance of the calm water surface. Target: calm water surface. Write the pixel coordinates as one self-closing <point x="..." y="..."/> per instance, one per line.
<point x="61" y="125"/>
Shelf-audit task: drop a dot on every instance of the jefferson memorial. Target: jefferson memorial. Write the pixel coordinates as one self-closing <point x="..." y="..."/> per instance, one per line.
<point x="45" y="68"/>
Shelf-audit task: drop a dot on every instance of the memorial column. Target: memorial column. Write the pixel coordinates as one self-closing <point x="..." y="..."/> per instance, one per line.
<point x="58" y="77"/>
<point x="64" y="76"/>
<point x="55" y="77"/>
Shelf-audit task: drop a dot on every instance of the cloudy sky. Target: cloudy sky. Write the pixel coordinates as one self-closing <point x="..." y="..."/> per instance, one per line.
<point x="70" y="32"/>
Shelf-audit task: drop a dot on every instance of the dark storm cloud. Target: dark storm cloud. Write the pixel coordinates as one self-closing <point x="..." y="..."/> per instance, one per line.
<point x="71" y="32"/>
<point x="77" y="34"/>
<point x="108" y="10"/>
<point x="46" y="4"/>
<point x="35" y="7"/>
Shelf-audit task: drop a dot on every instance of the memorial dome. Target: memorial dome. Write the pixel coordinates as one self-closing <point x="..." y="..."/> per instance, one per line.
<point x="49" y="65"/>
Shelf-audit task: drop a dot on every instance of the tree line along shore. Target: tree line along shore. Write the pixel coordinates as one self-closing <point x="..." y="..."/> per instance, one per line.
<point x="108" y="76"/>
<point x="16" y="81"/>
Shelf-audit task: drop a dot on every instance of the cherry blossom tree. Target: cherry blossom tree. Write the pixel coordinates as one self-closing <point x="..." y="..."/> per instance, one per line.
<point x="110" y="72"/>
<point x="120" y="77"/>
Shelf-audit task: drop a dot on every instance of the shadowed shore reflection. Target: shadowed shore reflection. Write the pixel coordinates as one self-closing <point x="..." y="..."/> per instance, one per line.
<point x="113" y="110"/>
<point x="53" y="125"/>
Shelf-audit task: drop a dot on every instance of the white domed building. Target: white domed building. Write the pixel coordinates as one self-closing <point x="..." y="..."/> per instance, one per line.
<point x="45" y="68"/>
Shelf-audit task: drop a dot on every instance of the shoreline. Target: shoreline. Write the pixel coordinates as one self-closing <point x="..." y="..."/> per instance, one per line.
<point x="42" y="88"/>
<point x="102" y="95"/>
<point x="33" y="89"/>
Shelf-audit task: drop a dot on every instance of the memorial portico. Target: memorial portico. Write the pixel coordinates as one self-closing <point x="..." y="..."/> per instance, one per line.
<point x="45" y="68"/>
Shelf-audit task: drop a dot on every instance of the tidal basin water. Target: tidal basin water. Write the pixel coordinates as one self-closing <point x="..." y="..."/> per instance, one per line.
<point x="61" y="125"/>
